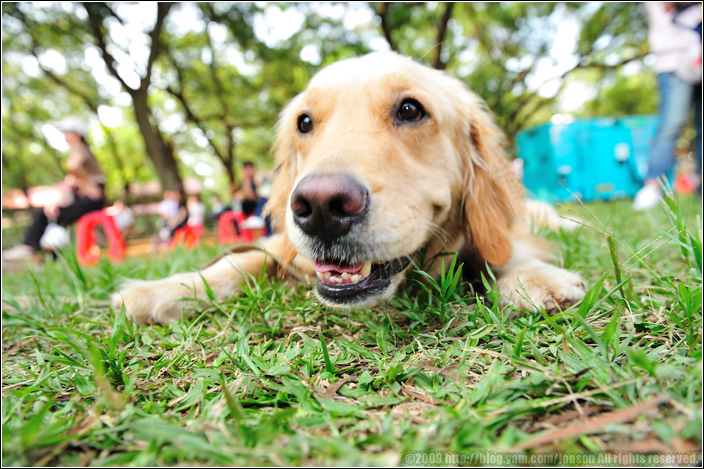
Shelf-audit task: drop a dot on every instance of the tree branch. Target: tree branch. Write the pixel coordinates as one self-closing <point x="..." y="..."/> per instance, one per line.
<point x="442" y="30"/>
<point x="112" y="12"/>
<point x="190" y="116"/>
<point x="86" y="99"/>
<point x="162" y="10"/>
<point x="482" y="38"/>
<point x="225" y="111"/>
<point x="523" y="103"/>
<point x="96" y="23"/>
<point x="214" y="75"/>
<point x="383" y="13"/>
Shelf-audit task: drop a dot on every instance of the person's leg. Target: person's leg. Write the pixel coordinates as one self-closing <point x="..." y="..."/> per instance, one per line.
<point x="675" y="105"/>
<point x="260" y="206"/>
<point x="80" y="207"/>
<point x="36" y="229"/>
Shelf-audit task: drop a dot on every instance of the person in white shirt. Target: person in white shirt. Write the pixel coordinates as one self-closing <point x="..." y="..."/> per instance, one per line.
<point x="174" y="215"/>
<point x="196" y="214"/>
<point x="122" y="215"/>
<point x="168" y="208"/>
<point x="674" y="35"/>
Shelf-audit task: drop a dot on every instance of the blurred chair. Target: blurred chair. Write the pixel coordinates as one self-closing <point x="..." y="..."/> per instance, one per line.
<point x="87" y="250"/>
<point x="231" y="229"/>
<point x="185" y="236"/>
<point x="198" y="230"/>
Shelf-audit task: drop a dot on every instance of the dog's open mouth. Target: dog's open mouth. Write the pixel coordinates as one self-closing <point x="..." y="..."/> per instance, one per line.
<point x="342" y="283"/>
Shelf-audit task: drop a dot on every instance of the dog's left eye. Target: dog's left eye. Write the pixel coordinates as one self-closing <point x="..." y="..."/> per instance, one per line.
<point x="410" y="111"/>
<point x="305" y="124"/>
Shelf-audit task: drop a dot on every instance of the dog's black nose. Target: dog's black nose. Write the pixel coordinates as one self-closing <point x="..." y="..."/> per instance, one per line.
<point x="328" y="205"/>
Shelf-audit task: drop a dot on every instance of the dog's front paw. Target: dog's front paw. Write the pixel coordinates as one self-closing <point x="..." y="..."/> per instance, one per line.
<point x="541" y="286"/>
<point x="155" y="301"/>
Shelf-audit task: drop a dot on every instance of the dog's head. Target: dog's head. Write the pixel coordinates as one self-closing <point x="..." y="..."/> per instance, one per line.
<point x="379" y="157"/>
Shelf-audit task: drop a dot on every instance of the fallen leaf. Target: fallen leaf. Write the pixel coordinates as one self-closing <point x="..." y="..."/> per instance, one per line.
<point x="418" y="396"/>
<point x="332" y="390"/>
<point x="562" y="418"/>
<point x="590" y="425"/>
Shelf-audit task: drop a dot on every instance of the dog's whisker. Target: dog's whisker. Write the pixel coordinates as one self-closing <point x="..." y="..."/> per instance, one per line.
<point x="413" y="262"/>
<point x="435" y="230"/>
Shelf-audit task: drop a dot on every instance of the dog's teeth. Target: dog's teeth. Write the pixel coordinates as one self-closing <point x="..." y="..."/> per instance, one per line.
<point x="366" y="269"/>
<point x="336" y="278"/>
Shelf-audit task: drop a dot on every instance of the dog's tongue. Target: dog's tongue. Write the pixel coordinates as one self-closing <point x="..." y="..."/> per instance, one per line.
<point x="350" y="269"/>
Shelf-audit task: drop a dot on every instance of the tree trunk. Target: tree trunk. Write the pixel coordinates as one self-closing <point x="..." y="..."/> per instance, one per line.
<point x="160" y="153"/>
<point x="438" y="63"/>
<point x="230" y="175"/>
<point x="230" y="163"/>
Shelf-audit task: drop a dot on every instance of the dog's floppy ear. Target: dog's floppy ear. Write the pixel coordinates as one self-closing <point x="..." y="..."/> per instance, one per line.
<point x="492" y="194"/>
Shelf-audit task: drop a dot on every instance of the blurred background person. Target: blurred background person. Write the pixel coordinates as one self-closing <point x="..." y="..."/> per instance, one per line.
<point x="264" y="192"/>
<point x="196" y="214"/>
<point x="82" y="191"/>
<point x="168" y="207"/>
<point x="174" y="215"/>
<point x="217" y="207"/>
<point x="674" y="35"/>
<point x="245" y="196"/>
<point x="122" y="215"/>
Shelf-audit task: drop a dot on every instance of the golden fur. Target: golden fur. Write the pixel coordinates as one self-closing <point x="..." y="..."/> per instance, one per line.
<point x="443" y="183"/>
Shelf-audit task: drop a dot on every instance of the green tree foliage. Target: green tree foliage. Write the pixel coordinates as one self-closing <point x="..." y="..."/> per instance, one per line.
<point x="623" y="95"/>
<point x="202" y="83"/>
<point x="501" y="50"/>
<point x="27" y="160"/>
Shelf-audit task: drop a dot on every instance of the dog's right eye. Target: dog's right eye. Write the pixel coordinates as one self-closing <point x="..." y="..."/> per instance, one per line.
<point x="305" y="124"/>
<point x="410" y="111"/>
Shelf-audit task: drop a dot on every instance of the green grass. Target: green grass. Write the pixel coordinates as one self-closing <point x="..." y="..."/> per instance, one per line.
<point x="273" y="378"/>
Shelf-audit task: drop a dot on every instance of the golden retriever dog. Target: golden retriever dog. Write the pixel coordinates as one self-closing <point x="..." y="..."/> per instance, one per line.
<point x="379" y="158"/>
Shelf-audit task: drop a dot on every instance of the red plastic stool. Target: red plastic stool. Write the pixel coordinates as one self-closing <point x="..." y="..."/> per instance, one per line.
<point x="184" y="236"/>
<point x="198" y="230"/>
<point x="227" y="234"/>
<point x="88" y="251"/>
